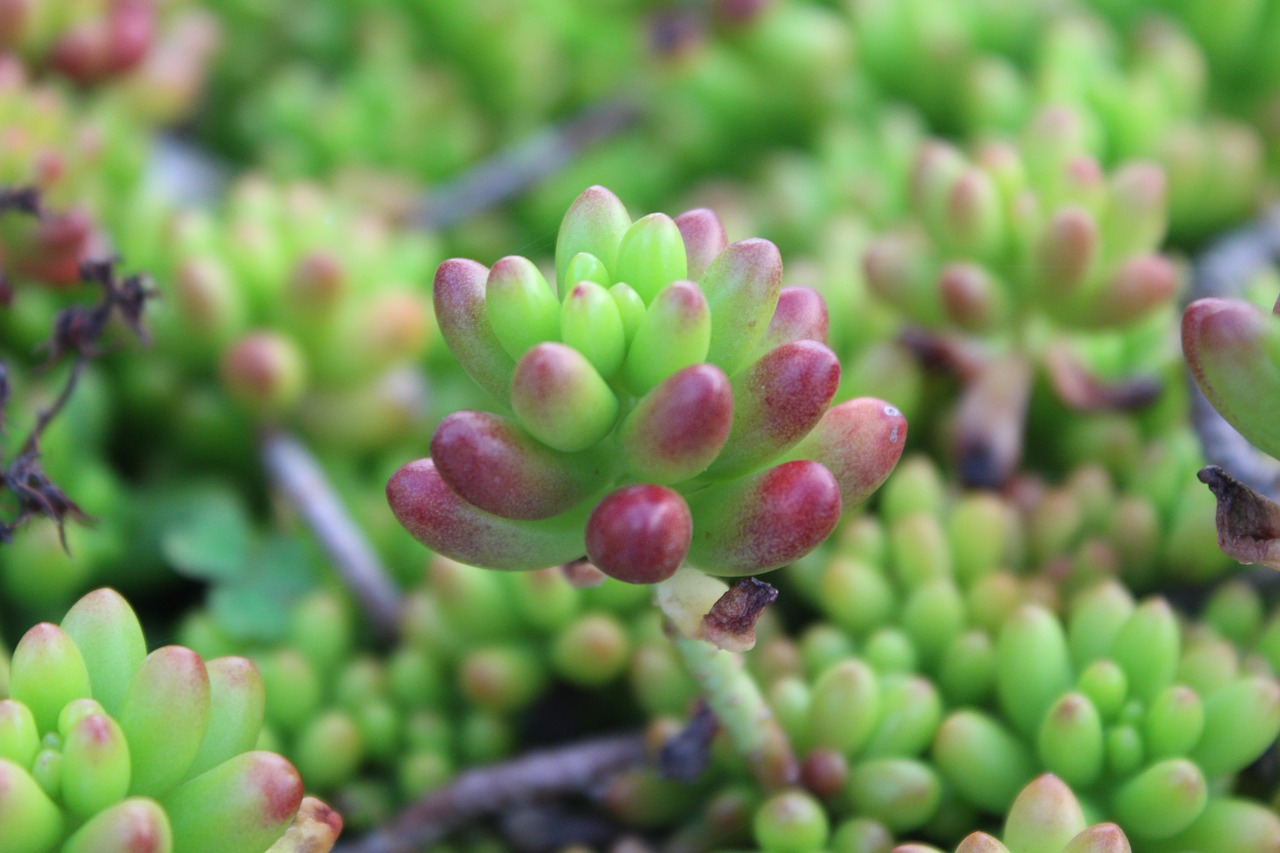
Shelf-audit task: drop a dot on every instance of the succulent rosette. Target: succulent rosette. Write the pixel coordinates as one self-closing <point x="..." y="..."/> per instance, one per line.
<point x="1029" y="259"/>
<point x="669" y="402"/>
<point x="1143" y="89"/>
<point x="104" y="747"/>
<point x="289" y="302"/>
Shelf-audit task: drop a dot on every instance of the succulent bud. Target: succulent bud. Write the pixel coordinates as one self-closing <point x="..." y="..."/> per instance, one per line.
<point x="266" y="372"/>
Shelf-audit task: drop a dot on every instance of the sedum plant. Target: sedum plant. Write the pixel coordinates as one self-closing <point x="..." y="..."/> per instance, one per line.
<point x="670" y="407"/>
<point x="104" y="747"/>
<point x="1147" y="720"/>
<point x="292" y="305"/>
<point x="1025" y="259"/>
<point x="669" y="403"/>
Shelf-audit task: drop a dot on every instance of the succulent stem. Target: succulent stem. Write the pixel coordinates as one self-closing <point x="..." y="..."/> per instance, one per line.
<point x="736" y="699"/>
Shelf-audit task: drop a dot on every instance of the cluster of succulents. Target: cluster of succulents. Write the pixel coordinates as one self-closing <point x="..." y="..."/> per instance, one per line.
<point x="1025" y="642"/>
<point x="1046" y="816"/>
<point x="299" y="312"/>
<point x="371" y="731"/>
<point x="149" y="57"/>
<point x="1144" y="90"/>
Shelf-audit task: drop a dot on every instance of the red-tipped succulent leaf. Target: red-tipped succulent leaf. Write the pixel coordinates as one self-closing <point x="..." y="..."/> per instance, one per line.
<point x="640" y="533"/>
<point x="757" y="523"/>
<point x="1233" y="351"/>
<point x="493" y="463"/>
<point x="439" y="518"/>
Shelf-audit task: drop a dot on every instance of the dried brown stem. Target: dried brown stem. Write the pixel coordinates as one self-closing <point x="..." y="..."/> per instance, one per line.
<point x="77" y="330"/>
<point x="488" y="790"/>
<point x="731" y="623"/>
<point x="511" y="171"/>
<point x="297" y="474"/>
<point x="46" y="416"/>
<point x="1248" y="523"/>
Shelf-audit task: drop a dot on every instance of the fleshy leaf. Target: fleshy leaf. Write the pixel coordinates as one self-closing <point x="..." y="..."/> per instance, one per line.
<point x="859" y="442"/>
<point x="639" y="534"/>
<point x="458" y="294"/>
<point x="704" y="239"/>
<point x="801" y="315"/>
<point x="742" y="286"/>
<point x="594" y="223"/>
<point x="651" y="255"/>
<point x="591" y="322"/>
<point x="523" y="311"/>
<point x="493" y="463"/>
<point x="678" y="428"/>
<point x="674" y="333"/>
<point x="1044" y="816"/>
<point x="776" y="402"/>
<point x="440" y="519"/>
<point x="1233" y="350"/>
<point x="753" y="524"/>
<point x="561" y="399"/>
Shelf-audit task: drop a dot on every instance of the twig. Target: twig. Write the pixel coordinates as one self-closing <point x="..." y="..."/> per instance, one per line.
<point x="687" y="754"/>
<point x="547" y="827"/>
<point x="1221" y="271"/>
<point x="517" y="168"/>
<point x="46" y="416"/>
<point x="183" y="174"/>
<point x="487" y="790"/>
<point x="298" y="475"/>
<point x="77" y="330"/>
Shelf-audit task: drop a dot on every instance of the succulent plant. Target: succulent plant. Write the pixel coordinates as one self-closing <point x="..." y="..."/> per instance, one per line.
<point x="1115" y="696"/>
<point x="664" y="405"/>
<point x="104" y="746"/>
<point x="1029" y="258"/>
<point x="295" y="326"/>
<point x="655" y="396"/>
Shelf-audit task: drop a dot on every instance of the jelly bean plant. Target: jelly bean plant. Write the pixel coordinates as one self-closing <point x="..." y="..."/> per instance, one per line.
<point x="104" y="747"/>
<point x="670" y="419"/>
<point x="1029" y="260"/>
